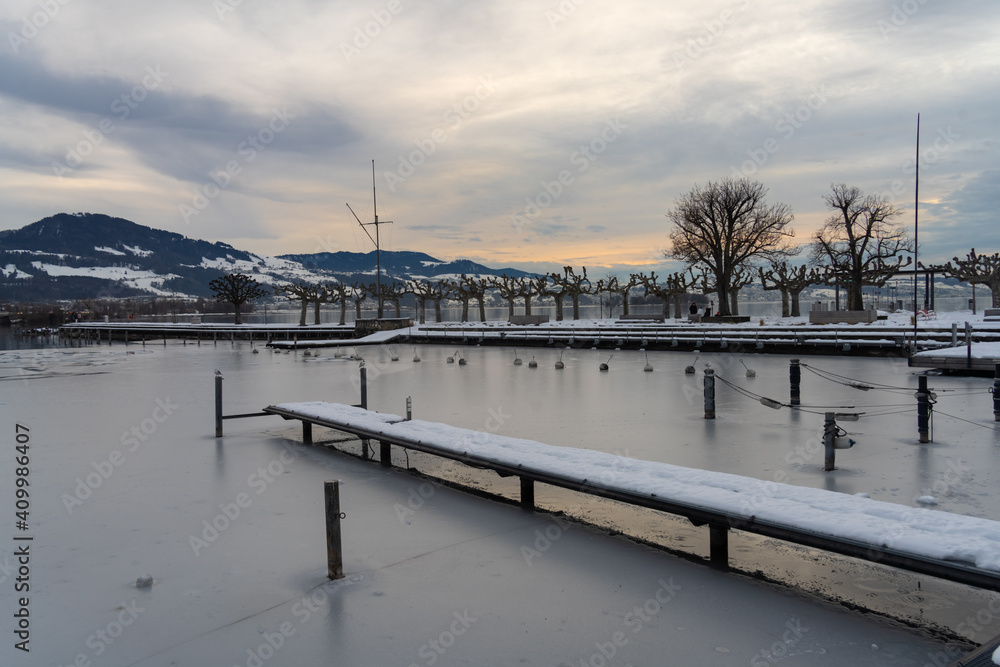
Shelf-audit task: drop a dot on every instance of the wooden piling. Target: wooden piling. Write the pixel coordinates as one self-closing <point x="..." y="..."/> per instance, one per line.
<point x="718" y="537"/>
<point x="334" y="544"/>
<point x="527" y="493"/>
<point x="829" y="436"/>
<point x="795" y="381"/>
<point x="923" y="410"/>
<point x="385" y="453"/>
<point x="218" y="406"/>
<point x="709" y="393"/>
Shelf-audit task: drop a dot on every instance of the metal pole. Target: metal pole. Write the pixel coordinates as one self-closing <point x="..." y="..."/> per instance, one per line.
<point x="709" y="393"/>
<point x="954" y="333"/>
<point x="795" y="380"/>
<point x="968" y="345"/>
<point x="916" y="232"/>
<point x="923" y="410"/>
<point x="409" y="408"/>
<point x="334" y="544"/>
<point x="996" y="393"/>
<point x="829" y="434"/>
<point x="364" y="386"/>
<point x="218" y="406"/>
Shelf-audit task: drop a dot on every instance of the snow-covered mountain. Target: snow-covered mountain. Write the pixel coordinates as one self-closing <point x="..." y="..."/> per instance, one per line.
<point x="88" y="255"/>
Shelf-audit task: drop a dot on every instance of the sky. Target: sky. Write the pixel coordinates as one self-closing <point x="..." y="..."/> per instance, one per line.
<point x="519" y="134"/>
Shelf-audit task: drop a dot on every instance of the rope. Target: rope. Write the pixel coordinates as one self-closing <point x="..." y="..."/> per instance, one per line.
<point x="859" y="384"/>
<point x="988" y="428"/>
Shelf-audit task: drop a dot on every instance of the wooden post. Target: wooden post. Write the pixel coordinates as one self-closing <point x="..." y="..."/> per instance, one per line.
<point x="409" y="407"/>
<point x="923" y="410"/>
<point x="718" y="537"/>
<point x="385" y="453"/>
<point x="364" y="386"/>
<point x="527" y="493"/>
<point x="795" y="380"/>
<point x="334" y="546"/>
<point x="307" y="432"/>
<point x="218" y="406"/>
<point x="829" y="435"/>
<point x="996" y="393"/>
<point x="709" y="393"/>
<point x="968" y="345"/>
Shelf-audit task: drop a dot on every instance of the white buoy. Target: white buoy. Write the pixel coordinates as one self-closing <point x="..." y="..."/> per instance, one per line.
<point x="415" y="357"/>
<point x="751" y="373"/>
<point x="689" y="370"/>
<point x="532" y="363"/>
<point x="517" y="360"/>
<point x="648" y="368"/>
<point x="559" y="363"/>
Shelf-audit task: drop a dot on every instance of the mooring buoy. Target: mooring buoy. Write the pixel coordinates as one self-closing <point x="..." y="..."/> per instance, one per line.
<point x="517" y="359"/>
<point x="604" y="366"/>
<point x="689" y="370"/>
<point x="751" y="373"/>
<point x="532" y="363"/>
<point x="648" y="368"/>
<point x="415" y="357"/>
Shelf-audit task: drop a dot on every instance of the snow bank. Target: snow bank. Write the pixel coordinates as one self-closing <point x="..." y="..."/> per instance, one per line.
<point x="915" y="531"/>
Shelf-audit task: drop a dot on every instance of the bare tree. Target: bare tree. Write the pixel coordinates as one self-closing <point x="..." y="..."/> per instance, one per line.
<point x="858" y="242"/>
<point x="340" y="293"/>
<point x="615" y="285"/>
<point x="474" y="288"/>
<point x="725" y="226"/>
<point x="976" y="270"/>
<point x="509" y="288"/>
<point x="359" y="292"/>
<point x="790" y="281"/>
<point x="300" y="291"/>
<point x="742" y="277"/>
<point x="237" y="289"/>
<point x="422" y="291"/>
<point x="671" y="289"/>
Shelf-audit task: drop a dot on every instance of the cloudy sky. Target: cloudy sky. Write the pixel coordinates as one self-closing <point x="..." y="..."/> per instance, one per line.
<point x="525" y="134"/>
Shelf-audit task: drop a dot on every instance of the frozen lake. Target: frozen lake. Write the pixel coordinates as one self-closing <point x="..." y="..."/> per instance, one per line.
<point x="154" y="406"/>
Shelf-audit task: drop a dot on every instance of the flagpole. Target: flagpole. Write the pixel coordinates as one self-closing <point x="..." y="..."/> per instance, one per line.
<point x="916" y="232"/>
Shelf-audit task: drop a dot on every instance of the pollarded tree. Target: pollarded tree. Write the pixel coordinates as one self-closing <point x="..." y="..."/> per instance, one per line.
<point x="573" y="285"/>
<point x="300" y="291"/>
<point x="669" y="290"/>
<point x="742" y="277"/>
<point x="790" y="281"/>
<point x="337" y="292"/>
<point x="237" y="289"/>
<point x="614" y="285"/>
<point x="859" y="243"/>
<point x="509" y="289"/>
<point x="976" y="270"/>
<point x="725" y="226"/>
<point x="359" y="292"/>
<point x="422" y="292"/>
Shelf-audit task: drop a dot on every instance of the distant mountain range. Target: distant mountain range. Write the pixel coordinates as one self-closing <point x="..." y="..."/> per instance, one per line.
<point x="72" y="256"/>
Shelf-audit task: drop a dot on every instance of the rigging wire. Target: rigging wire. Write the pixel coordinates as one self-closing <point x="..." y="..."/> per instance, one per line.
<point x="988" y="428"/>
<point x="860" y="384"/>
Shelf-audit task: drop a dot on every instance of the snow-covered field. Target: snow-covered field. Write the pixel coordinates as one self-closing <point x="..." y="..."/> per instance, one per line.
<point x="127" y="480"/>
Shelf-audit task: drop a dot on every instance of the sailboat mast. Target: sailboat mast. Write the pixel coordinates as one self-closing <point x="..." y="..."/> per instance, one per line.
<point x="916" y="230"/>
<point x="378" y="247"/>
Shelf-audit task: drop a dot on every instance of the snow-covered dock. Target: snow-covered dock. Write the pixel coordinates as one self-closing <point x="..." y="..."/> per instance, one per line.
<point x="958" y="548"/>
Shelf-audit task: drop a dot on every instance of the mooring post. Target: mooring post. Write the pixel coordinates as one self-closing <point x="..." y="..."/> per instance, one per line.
<point x="996" y="393"/>
<point x="718" y="549"/>
<point x="364" y="386"/>
<point x="968" y="345"/>
<point x="829" y="436"/>
<point x="409" y="406"/>
<point x="923" y="410"/>
<point x="795" y="381"/>
<point x="527" y="493"/>
<point x="218" y="406"/>
<point x="334" y="545"/>
<point x="954" y="334"/>
<point x="709" y="393"/>
<point x="307" y="432"/>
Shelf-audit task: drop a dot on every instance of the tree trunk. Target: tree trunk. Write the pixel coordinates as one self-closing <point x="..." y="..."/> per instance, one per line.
<point x="239" y="315"/>
<point x="482" y="309"/>
<point x="527" y="304"/>
<point x="510" y="306"/>
<point x="316" y="312"/>
<point x="794" y="295"/>
<point x="665" y="299"/>
<point x="785" y="312"/>
<point x="734" y="308"/>
<point x="437" y="309"/>
<point x="624" y="303"/>
<point x="422" y="307"/>
<point x="357" y="309"/>
<point x="559" y="308"/>
<point x="465" y="309"/>
<point x="576" y="306"/>
<point x="395" y="305"/>
<point x="343" y="311"/>
<point x="302" y="315"/>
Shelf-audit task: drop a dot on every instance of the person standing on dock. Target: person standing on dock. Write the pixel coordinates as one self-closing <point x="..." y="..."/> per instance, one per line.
<point x="693" y="308"/>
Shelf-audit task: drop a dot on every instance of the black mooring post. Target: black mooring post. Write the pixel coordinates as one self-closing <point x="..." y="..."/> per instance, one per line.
<point x="385" y="453"/>
<point x="364" y="386"/>
<point x="718" y="549"/>
<point x="923" y="410"/>
<point x="334" y="545"/>
<point x="795" y="381"/>
<point x="996" y="393"/>
<point x="218" y="406"/>
<point x="709" y="393"/>
<point x="307" y="432"/>
<point x="829" y="437"/>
